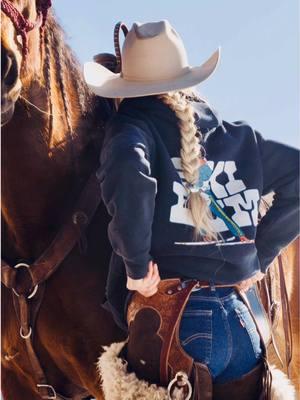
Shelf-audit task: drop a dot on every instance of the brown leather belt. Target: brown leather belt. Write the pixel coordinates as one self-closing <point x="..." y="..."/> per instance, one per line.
<point x="206" y="284"/>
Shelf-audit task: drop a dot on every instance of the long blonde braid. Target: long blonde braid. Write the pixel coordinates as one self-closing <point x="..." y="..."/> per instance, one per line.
<point x="191" y="151"/>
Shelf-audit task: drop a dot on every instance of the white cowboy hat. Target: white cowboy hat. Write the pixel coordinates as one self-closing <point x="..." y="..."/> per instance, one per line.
<point x="154" y="61"/>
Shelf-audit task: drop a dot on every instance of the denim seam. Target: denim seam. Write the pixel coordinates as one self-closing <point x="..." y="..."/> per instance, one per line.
<point x="204" y="313"/>
<point x="195" y="336"/>
<point x="229" y="335"/>
<point x="253" y="345"/>
<point x="249" y="331"/>
<point x="208" y="357"/>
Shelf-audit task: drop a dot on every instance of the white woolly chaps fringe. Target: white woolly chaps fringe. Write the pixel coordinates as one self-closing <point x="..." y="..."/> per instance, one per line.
<point x="118" y="384"/>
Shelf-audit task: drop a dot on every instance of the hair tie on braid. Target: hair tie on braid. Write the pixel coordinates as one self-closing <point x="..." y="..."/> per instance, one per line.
<point x="204" y="172"/>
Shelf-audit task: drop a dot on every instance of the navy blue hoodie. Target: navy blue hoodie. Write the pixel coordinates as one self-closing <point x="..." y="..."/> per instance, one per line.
<point x="143" y="189"/>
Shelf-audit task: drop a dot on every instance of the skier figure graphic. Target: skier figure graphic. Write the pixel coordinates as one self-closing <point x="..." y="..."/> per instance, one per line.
<point x="203" y="185"/>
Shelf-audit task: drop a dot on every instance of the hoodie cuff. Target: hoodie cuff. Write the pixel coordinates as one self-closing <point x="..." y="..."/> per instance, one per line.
<point x="137" y="271"/>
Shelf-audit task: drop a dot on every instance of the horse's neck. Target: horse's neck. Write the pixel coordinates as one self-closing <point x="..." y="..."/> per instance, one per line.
<point x="39" y="181"/>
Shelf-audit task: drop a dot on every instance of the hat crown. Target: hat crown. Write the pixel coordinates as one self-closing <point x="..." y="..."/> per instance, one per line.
<point x="154" y="61"/>
<point x="153" y="51"/>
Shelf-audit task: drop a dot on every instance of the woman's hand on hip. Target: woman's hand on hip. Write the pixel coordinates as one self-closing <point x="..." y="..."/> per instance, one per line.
<point x="146" y="286"/>
<point x="247" y="283"/>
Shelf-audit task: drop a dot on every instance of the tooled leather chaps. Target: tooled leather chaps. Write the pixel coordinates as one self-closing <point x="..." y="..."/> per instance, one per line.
<point x="154" y="352"/>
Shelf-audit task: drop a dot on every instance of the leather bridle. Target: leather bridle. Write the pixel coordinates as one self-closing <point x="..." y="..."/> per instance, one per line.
<point x="24" y="25"/>
<point x="27" y="299"/>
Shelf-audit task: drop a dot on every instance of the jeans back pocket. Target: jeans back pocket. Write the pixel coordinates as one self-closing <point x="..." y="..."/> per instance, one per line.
<point x="195" y="334"/>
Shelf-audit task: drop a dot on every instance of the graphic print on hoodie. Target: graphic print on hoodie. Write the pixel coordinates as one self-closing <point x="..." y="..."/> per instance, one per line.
<point x="231" y="194"/>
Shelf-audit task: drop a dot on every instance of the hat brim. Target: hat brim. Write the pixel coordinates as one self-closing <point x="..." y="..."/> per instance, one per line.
<point x="105" y="83"/>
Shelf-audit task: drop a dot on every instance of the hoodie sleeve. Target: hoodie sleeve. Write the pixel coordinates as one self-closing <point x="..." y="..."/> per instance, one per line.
<point x="128" y="192"/>
<point x="280" y="225"/>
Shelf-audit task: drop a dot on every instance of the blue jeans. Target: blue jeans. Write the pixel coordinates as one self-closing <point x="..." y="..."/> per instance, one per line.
<point x="217" y="329"/>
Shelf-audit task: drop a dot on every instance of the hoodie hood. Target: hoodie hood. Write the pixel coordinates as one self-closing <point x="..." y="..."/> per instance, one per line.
<point x="207" y="118"/>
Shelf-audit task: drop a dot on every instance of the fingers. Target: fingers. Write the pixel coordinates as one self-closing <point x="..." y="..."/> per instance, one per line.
<point x="151" y="281"/>
<point x="150" y="271"/>
<point x="245" y="285"/>
<point x="149" y="292"/>
<point x="154" y="284"/>
<point x="148" y="285"/>
<point x="152" y="275"/>
<point x="155" y="272"/>
<point x="244" y="288"/>
<point x="248" y="283"/>
<point x="259" y="276"/>
<point x="151" y="285"/>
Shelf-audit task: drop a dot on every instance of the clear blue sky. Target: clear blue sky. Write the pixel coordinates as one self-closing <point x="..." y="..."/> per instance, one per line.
<point x="257" y="79"/>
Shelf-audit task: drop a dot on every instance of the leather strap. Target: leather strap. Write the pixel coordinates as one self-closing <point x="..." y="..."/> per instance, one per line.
<point x="27" y="311"/>
<point x="269" y="290"/>
<point x="62" y="244"/>
<point x="168" y="303"/>
<point x="8" y="275"/>
<point x="247" y="387"/>
<point x="27" y="306"/>
<point x="267" y="377"/>
<point x="259" y="313"/>
<point x="171" y="340"/>
<point x="286" y="316"/>
<point x="272" y="305"/>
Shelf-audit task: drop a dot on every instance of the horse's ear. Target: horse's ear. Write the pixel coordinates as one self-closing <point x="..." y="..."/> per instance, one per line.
<point x="107" y="60"/>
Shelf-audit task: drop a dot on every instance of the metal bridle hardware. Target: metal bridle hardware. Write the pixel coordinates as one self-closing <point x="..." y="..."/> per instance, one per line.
<point x="19" y="265"/>
<point x="40" y="270"/>
<point x="79" y="218"/>
<point x="51" y="396"/>
<point x="28" y="334"/>
<point x="187" y="383"/>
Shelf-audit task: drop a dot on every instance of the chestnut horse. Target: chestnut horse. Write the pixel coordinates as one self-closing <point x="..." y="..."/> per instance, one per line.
<point x="51" y="139"/>
<point x="51" y="142"/>
<point x="285" y="327"/>
<point x="291" y="263"/>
